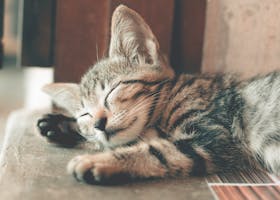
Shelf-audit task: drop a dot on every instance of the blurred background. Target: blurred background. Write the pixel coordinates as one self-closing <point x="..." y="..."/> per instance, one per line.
<point x="11" y="80"/>
<point x="19" y="86"/>
<point x="42" y="41"/>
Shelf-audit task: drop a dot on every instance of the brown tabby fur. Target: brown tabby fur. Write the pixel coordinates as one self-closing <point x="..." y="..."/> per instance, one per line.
<point x="151" y="123"/>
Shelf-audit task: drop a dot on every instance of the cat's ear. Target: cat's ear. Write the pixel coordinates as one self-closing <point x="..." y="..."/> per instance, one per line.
<point x="65" y="95"/>
<point x="132" y="37"/>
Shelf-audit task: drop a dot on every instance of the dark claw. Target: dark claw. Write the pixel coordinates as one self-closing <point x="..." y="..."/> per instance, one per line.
<point x="43" y="124"/>
<point x="89" y="178"/>
<point x="50" y="134"/>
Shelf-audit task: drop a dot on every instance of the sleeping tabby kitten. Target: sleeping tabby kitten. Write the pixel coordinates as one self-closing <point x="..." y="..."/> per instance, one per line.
<point x="152" y="123"/>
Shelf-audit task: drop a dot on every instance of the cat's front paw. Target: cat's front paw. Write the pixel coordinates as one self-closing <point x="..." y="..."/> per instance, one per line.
<point x="59" y="129"/>
<point x="100" y="168"/>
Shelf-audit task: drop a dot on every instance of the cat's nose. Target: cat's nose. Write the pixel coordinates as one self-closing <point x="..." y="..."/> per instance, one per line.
<point x="101" y="124"/>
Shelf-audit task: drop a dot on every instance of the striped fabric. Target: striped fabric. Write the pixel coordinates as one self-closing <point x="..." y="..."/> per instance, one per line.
<point x="246" y="192"/>
<point x="250" y="184"/>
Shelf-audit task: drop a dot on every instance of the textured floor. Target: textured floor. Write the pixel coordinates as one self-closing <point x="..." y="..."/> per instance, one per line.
<point x="11" y="95"/>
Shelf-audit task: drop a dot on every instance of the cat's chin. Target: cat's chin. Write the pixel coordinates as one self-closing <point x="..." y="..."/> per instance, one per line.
<point x="112" y="143"/>
<point x="116" y="143"/>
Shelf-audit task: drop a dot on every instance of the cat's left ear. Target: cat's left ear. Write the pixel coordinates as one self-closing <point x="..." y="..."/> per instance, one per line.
<point x="132" y="38"/>
<point x="65" y="95"/>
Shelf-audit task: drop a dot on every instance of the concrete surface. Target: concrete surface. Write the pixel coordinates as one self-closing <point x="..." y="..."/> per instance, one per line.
<point x="242" y="36"/>
<point x="32" y="169"/>
<point x="11" y="94"/>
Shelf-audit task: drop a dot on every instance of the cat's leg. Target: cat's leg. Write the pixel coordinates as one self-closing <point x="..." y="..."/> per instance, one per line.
<point x="60" y="129"/>
<point x="154" y="159"/>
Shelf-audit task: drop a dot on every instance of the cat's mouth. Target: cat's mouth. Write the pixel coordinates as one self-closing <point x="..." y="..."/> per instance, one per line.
<point x="109" y="133"/>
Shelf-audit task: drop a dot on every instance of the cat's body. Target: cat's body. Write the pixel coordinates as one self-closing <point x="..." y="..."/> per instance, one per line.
<point x="156" y="124"/>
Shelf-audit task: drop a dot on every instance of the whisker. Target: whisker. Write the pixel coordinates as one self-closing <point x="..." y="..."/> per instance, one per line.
<point x="140" y="104"/>
<point x="97" y="54"/>
<point x="135" y="105"/>
<point x="146" y="98"/>
<point x="139" y="108"/>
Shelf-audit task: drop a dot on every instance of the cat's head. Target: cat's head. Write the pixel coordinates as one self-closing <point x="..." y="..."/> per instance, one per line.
<point x="115" y="97"/>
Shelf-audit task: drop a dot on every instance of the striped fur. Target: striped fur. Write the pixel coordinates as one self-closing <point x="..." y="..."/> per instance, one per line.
<point x="155" y="124"/>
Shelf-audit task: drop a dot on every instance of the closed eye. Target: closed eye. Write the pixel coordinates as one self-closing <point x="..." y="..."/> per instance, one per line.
<point x="106" y="98"/>
<point x="85" y="114"/>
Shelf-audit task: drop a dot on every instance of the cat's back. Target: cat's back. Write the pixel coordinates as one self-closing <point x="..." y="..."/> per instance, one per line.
<point x="262" y="118"/>
<point x="201" y="87"/>
<point x="196" y="95"/>
<point x="262" y="90"/>
<point x="262" y="102"/>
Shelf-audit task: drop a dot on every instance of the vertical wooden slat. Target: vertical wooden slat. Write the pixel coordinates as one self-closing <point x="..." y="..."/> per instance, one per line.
<point x="188" y="35"/>
<point x="81" y="36"/>
<point x="1" y="30"/>
<point x="38" y="33"/>
<point x="159" y="16"/>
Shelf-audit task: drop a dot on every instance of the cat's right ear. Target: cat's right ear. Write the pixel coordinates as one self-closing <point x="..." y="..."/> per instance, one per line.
<point x="65" y="95"/>
<point x="131" y="37"/>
